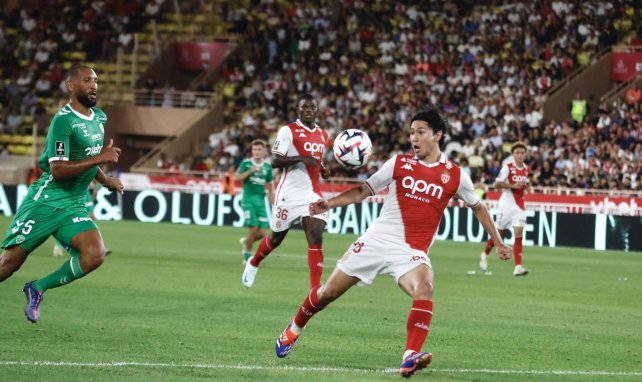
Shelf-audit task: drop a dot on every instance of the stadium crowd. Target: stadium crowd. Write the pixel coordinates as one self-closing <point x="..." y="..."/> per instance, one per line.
<point x="487" y="67"/>
<point x="33" y="40"/>
<point x="370" y="67"/>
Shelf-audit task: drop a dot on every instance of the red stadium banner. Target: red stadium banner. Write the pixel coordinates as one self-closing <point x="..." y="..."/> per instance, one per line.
<point x="625" y="65"/>
<point x="195" y="56"/>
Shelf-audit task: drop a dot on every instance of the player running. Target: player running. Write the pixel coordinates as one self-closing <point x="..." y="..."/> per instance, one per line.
<point x="513" y="179"/>
<point x="419" y="188"/>
<point x="55" y="204"/>
<point x="256" y="174"/>
<point x="298" y="149"/>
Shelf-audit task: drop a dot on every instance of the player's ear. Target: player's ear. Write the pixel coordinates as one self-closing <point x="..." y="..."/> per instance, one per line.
<point x="70" y="85"/>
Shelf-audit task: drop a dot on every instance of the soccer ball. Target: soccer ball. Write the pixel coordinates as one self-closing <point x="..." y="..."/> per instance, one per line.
<point x="352" y="148"/>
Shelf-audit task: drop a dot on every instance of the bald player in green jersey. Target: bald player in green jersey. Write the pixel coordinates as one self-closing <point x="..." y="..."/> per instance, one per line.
<point x="55" y="203"/>
<point x="256" y="174"/>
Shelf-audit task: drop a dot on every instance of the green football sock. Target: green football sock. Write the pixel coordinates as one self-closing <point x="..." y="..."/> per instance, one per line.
<point x="69" y="272"/>
<point x="247" y="256"/>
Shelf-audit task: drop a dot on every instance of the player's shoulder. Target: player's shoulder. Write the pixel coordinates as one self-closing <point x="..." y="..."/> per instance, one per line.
<point x="99" y="114"/>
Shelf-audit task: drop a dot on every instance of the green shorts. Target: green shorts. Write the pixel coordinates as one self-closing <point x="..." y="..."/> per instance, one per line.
<point x="255" y="214"/>
<point x="35" y="222"/>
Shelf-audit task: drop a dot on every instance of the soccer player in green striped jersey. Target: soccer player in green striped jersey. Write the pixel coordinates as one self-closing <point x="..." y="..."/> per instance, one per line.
<point x="256" y="174"/>
<point x="55" y="203"/>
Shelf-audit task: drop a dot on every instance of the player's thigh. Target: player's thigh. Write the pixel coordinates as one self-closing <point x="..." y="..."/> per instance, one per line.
<point x="89" y="242"/>
<point x="364" y="260"/>
<point x="418" y="281"/>
<point x="283" y="216"/>
<point x="313" y="228"/>
<point x="74" y="224"/>
<point x="262" y="217"/>
<point x="518" y="219"/>
<point x="402" y="260"/>
<point x="32" y="225"/>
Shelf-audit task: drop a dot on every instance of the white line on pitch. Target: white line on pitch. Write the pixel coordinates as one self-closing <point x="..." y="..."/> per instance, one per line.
<point x="308" y="369"/>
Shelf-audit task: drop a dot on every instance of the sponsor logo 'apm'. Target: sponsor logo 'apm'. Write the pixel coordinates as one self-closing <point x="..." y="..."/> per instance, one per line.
<point x="313" y="147"/>
<point x="421" y="186"/>
<point x="519" y="178"/>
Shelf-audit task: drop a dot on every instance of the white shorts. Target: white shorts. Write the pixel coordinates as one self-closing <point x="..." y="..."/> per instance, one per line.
<point x="284" y="216"/>
<point x="367" y="258"/>
<point x="510" y="217"/>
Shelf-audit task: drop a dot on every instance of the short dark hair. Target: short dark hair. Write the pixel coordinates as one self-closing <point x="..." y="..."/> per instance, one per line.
<point x="435" y="120"/>
<point x="73" y="71"/>
<point x="517" y="145"/>
<point x="306" y="97"/>
<point x="259" y="142"/>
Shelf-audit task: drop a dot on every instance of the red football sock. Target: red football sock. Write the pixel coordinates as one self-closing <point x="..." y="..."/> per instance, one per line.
<point x="517" y="251"/>
<point x="315" y="262"/>
<point x="264" y="249"/>
<point x="309" y="308"/>
<point x="489" y="246"/>
<point x="418" y="324"/>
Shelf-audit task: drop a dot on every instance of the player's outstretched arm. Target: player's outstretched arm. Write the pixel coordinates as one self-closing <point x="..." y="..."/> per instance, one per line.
<point x="504" y="252"/>
<point x="353" y="195"/>
<point x="66" y="169"/>
<point x="281" y="161"/>
<point x="112" y="184"/>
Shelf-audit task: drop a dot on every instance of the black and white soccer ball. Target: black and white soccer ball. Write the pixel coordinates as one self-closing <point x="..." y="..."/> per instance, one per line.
<point x="352" y="148"/>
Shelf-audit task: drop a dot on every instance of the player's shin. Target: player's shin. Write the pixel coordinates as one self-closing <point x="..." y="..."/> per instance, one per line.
<point x="68" y="272"/>
<point x="418" y="325"/>
<point x="517" y="251"/>
<point x="315" y="262"/>
<point x="489" y="245"/>
<point x="264" y="249"/>
<point x="309" y="308"/>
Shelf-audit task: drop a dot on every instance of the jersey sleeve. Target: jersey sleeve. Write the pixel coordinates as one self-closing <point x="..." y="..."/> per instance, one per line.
<point x="466" y="190"/>
<point x="58" y="145"/>
<point x="243" y="166"/>
<point x="283" y="141"/>
<point x="383" y="177"/>
<point x="503" y="175"/>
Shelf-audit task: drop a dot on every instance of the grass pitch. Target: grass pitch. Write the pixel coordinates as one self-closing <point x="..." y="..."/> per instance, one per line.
<point x="168" y="305"/>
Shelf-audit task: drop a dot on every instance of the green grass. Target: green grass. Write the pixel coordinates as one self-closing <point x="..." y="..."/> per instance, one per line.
<point x="171" y="295"/>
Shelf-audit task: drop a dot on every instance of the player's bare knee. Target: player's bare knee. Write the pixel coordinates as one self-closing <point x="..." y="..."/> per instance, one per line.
<point x="328" y="293"/>
<point x="422" y="290"/>
<point x="91" y="258"/>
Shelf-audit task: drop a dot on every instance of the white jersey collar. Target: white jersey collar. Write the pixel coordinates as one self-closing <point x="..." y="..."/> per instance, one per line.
<point x="81" y="115"/>
<point x="298" y="122"/>
<point x="442" y="160"/>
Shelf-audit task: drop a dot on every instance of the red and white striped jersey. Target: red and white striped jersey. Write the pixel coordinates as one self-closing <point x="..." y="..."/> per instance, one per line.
<point x="299" y="183"/>
<point x="418" y="194"/>
<point x="511" y="197"/>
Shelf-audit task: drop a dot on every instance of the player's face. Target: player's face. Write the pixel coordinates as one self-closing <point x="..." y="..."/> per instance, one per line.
<point x="258" y="152"/>
<point x="424" y="141"/>
<point x="307" y="110"/>
<point x="519" y="154"/>
<point x="84" y="87"/>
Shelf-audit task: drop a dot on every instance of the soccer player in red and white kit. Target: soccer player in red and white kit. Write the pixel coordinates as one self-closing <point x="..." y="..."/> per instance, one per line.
<point x="513" y="180"/>
<point x="298" y="149"/>
<point x="419" y="188"/>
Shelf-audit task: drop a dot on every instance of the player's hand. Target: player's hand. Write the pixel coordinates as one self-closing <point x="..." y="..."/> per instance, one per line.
<point x="109" y="153"/>
<point x="309" y="160"/>
<point x="318" y="207"/>
<point x="504" y="252"/>
<point x="113" y="184"/>
<point x="325" y="172"/>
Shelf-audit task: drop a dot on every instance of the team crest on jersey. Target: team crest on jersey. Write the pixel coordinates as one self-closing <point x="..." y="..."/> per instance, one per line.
<point x="60" y="148"/>
<point x="20" y="239"/>
<point x="445" y="177"/>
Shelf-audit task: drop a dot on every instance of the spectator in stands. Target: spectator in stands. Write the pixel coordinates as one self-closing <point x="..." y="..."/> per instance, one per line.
<point x="634" y="94"/>
<point x="579" y="109"/>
